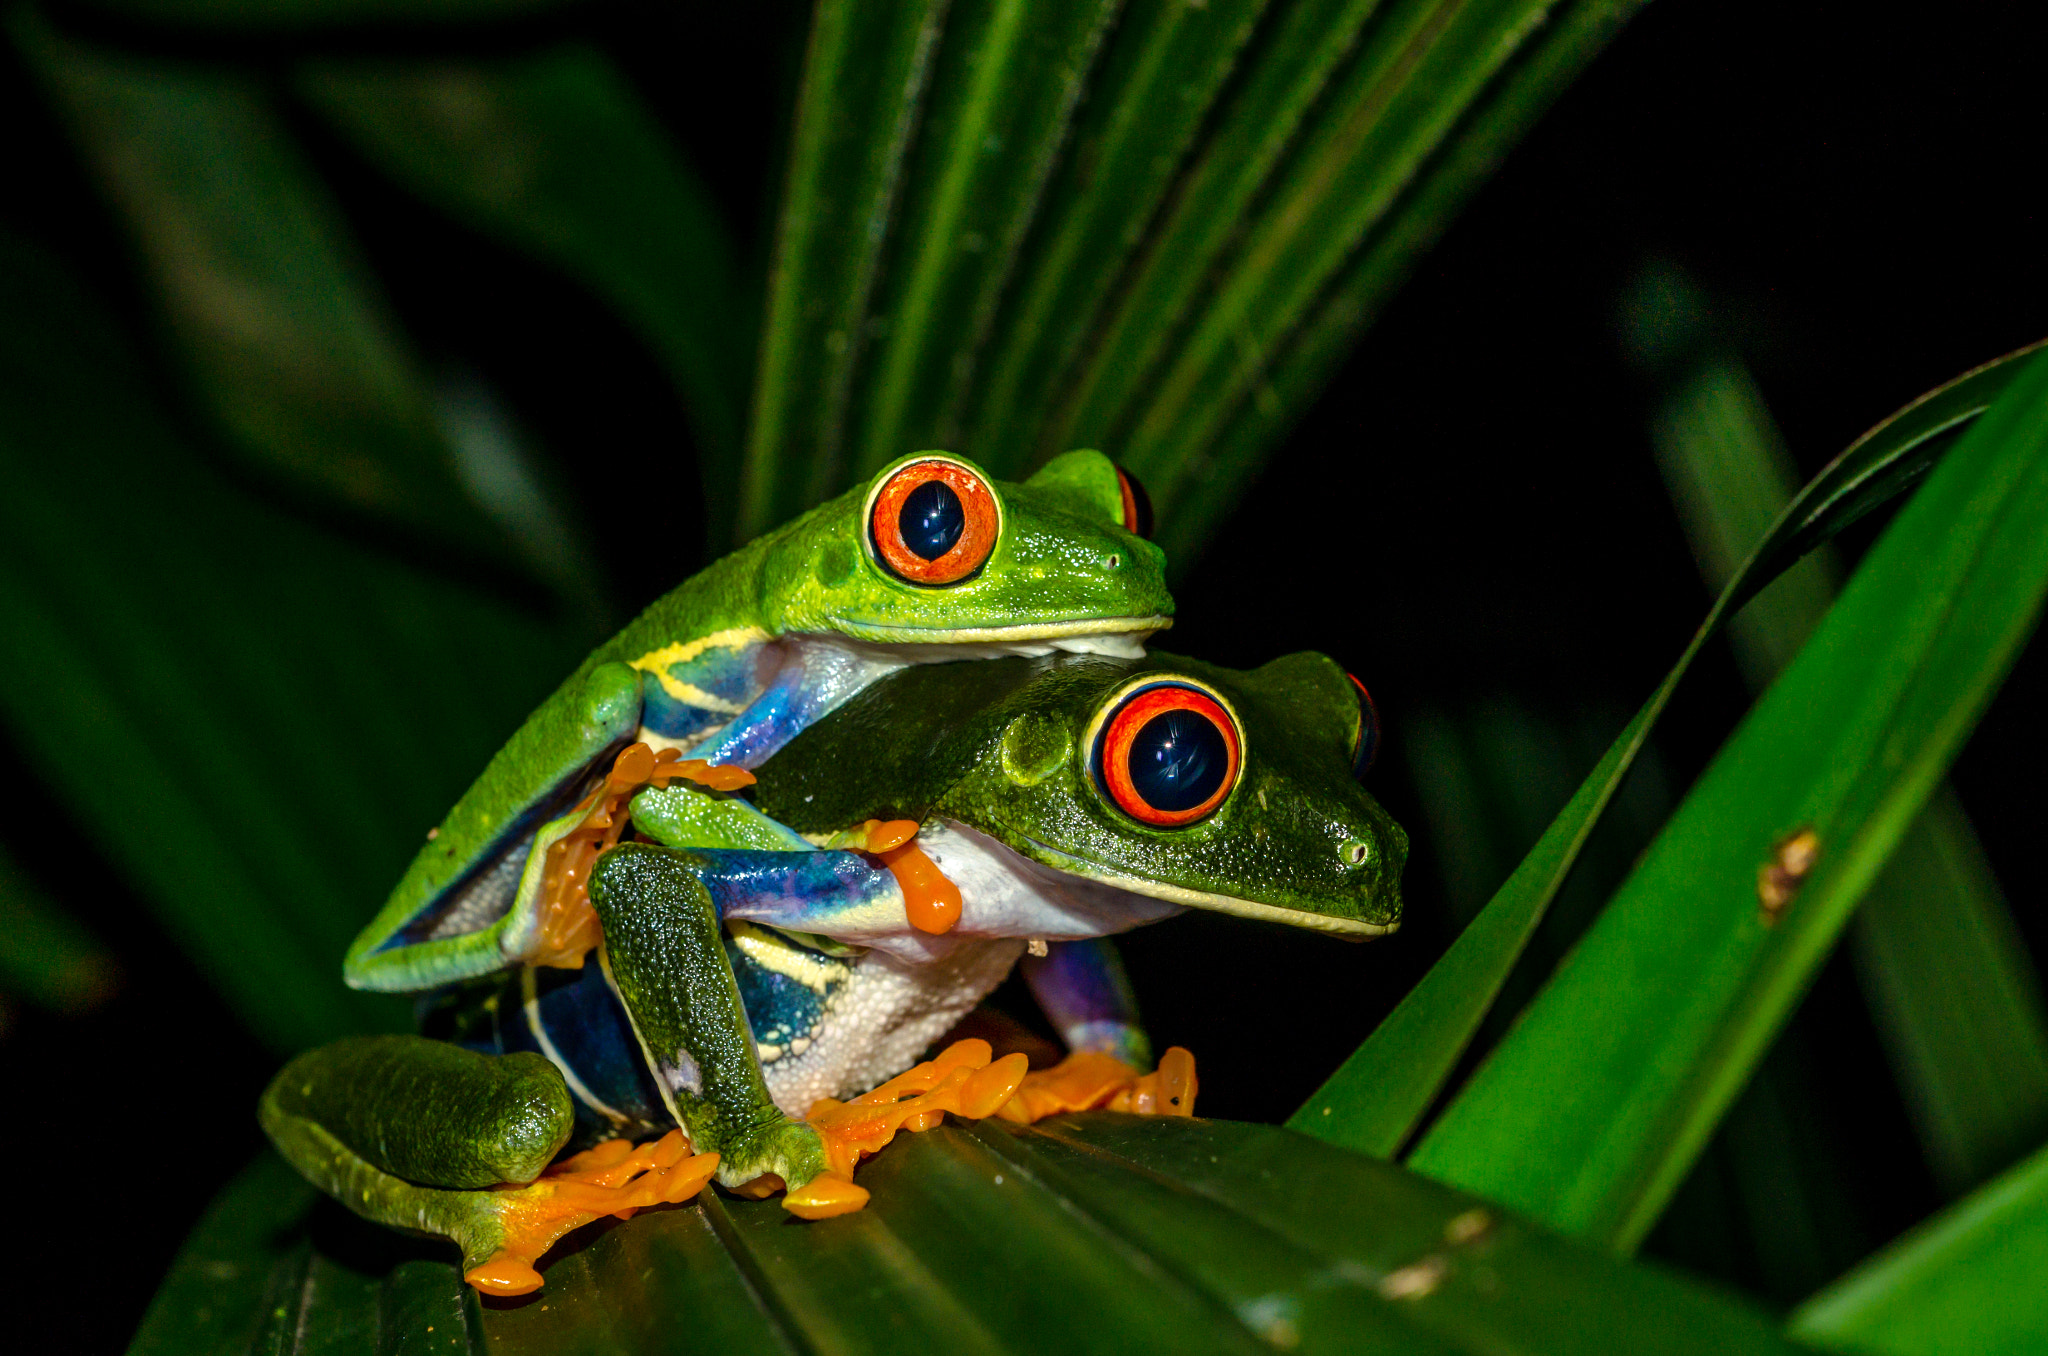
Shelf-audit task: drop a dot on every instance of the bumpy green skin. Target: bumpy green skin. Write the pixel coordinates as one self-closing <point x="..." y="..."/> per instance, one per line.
<point x="667" y="956"/>
<point x="1002" y="747"/>
<point x="429" y="1111"/>
<point x="1061" y="565"/>
<point x="402" y="1130"/>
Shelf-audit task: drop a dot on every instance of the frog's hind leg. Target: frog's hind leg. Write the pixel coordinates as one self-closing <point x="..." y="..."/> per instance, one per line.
<point x="424" y="1136"/>
<point x="665" y="954"/>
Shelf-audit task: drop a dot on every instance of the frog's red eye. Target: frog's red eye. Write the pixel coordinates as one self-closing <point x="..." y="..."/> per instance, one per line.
<point x="1168" y="755"/>
<point x="933" y="522"/>
<point x="1365" y="745"/>
<point x="1137" y="504"/>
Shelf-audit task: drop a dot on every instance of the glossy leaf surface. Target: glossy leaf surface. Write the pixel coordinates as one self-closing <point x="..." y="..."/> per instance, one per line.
<point x="1377" y="1098"/>
<point x="1088" y="1233"/>
<point x="1591" y="1109"/>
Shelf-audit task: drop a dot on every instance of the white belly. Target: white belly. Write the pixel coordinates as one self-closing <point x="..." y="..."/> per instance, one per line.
<point x="884" y="1018"/>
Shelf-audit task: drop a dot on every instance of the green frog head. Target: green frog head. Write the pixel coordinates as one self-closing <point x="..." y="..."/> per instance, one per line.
<point x="1161" y="777"/>
<point x="933" y="550"/>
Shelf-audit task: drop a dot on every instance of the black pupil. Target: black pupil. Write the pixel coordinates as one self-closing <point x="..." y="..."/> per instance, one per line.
<point x="1178" y="760"/>
<point x="932" y="519"/>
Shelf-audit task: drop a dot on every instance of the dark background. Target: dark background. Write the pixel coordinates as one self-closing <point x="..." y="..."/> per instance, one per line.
<point x="1470" y="519"/>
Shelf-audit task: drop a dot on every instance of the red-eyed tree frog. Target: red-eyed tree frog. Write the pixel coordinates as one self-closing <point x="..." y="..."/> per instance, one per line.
<point x="896" y="859"/>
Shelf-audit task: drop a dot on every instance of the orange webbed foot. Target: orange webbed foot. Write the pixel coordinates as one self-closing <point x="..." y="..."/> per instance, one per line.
<point x="1088" y="1079"/>
<point x="963" y="1079"/>
<point x="613" y="1178"/>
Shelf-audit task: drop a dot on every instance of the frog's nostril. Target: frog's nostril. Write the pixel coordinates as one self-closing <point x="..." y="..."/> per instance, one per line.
<point x="1116" y="562"/>
<point x="1356" y="851"/>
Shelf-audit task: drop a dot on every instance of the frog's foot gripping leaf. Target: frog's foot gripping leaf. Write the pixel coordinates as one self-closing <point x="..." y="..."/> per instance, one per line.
<point x="962" y="1079"/>
<point x="1090" y="1080"/>
<point x="614" y="1178"/>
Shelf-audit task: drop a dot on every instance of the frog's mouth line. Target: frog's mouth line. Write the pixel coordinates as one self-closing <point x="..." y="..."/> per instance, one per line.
<point x="1201" y="899"/>
<point x="1120" y="637"/>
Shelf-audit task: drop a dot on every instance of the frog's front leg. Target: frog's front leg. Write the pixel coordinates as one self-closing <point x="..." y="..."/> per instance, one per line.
<point x="665" y="954"/>
<point x="426" y="1136"/>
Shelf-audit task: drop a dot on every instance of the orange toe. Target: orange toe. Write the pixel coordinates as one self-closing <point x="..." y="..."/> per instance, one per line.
<point x="1088" y="1079"/>
<point x="962" y="1080"/>
<point x="825" y="1196"/>
<point x="614" y="1178"/>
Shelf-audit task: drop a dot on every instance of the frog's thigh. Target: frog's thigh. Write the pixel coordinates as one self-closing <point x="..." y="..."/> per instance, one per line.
<point x="424" y="1110"/>
<point x="360" y="1117"/>
<point x="666" y="955"/>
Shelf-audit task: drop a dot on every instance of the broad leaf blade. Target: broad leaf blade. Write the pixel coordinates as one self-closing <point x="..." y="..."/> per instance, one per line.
<point x="1090" y="1233"/>
<point x="1374" y="1102"/>
<point x="1591" y="1109"/>
<point x="1968" y="1280"/>
<point x="555" y="153"/>
<point x="865" y="81"/>
<point x="1342" y="218"/>
<point x="286" y="337"/>
<point x="256" y="718"/>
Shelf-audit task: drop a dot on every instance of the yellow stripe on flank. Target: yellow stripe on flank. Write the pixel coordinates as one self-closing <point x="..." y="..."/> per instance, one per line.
<point x="765" y="950"/>
<point x="658" y="662"/>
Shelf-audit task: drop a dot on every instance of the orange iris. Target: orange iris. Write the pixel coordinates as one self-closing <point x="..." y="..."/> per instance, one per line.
<point x="1123" y="735"/>
<point x="978" y="521"/>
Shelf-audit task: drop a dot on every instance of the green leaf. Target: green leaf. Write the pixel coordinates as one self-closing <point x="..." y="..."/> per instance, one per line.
<point x="1590" y="1110"/>
<point x="1438" y="92"/>
<point x="1145" y="108"/>
<point x="285" y="335"/>
<point x="256" y="718"/>
<point x="1096" y="1232"/>
<point x="555" y="153"/>
<point x="1955" y="996"/>
<point x="1376" y="1099"/>
<point x="46" y="957"/>
<point x="1002" y="100"/>
<point x="864" y="86"/>
<point x="1170" y="273"/>
<point x="1967" y="1280"/>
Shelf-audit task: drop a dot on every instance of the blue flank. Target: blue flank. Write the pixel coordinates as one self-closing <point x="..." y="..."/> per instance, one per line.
<point x="782" y="711"/>
<point x="780" y="1007"/>
<point x="797" y="891"/>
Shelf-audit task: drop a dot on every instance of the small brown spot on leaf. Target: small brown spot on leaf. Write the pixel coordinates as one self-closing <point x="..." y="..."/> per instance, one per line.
<point x="1779" y="879"/>
<point x="1469" y="1227"/>
<point x="1414" y="1281"/>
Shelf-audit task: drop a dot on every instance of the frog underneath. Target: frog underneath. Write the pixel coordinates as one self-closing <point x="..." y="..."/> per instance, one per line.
<point x="1067" y="798"/>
